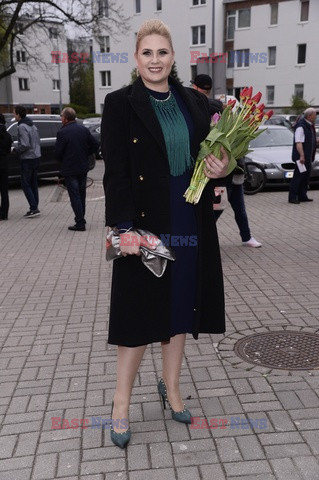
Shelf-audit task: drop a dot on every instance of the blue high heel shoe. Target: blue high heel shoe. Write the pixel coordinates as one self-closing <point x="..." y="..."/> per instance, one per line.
<point x="184" y="416"/>
<point x="120" y="439"/>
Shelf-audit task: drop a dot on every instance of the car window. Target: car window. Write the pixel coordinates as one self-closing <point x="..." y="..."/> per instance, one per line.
<point x="13" y="130"/>
<point x="56" y="127"/>
<point x="45" y="129"/>
<point x="276" y="137"/>
<point x="317" y="120"/>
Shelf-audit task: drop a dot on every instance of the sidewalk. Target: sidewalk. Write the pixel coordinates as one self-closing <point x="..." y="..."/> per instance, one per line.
<point x="56" y="363"/>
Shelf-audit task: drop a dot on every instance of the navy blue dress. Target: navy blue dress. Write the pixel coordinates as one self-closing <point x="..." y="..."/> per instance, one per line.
<point x="183" y="241"/>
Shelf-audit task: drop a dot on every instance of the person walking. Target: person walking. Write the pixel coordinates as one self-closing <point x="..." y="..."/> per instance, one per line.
<point x="29" y="151"/>
<point x="235" y="193"/>
<point x="73" y="147"/>
<point x="303" y="153"/>
<point x="5" y="148"/>
<point x="151" y="132"/>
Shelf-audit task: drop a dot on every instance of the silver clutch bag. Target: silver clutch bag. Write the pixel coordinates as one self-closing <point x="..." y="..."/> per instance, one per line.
<point x="155" y="260"/>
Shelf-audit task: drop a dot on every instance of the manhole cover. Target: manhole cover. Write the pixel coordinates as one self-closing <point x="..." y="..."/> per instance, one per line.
<point x="284" y="350"/>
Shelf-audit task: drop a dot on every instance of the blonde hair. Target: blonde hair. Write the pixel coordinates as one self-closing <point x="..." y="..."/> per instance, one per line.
<point x="153" y="27"/>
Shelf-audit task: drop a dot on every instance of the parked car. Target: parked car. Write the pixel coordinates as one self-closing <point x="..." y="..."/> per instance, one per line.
<point x="279" y="120"/>
<point x="94" y="125"/>
<point x="48" y="127"/>
<point x="317" y="129"/>
<point x="272" y="149"/>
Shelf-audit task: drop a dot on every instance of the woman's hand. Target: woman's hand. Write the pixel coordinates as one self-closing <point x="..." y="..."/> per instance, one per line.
<point x="130" y="243"/>
<point x="215" y="168"/>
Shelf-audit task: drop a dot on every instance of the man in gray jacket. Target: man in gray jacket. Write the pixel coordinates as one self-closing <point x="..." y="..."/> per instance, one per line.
<point x="29" y="151"/>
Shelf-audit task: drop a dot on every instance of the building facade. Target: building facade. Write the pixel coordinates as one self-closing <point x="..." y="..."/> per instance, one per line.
<point x="272" y="45"/>
<point x="41" y="80"/>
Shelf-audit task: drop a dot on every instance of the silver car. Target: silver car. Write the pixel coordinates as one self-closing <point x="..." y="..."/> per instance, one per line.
<point x="272" y="149"/>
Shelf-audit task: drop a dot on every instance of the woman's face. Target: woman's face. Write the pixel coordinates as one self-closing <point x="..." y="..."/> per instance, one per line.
<point x="155" y="59"/>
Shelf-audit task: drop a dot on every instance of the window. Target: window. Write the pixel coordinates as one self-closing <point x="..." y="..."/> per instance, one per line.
<point x="304" y="10"/>
<point x="199" y="2"/>
<point x="103" y="8"/>
<point x="137" y="6"/>
<point x="270" y="94"/>
<point x="302" y="53"/>
<point x="271" y="55"/>
<point x="56" y="84"/>
<point x="24" y="84"/>
<point x="231" y="22"/>
<point x="299" y="90"/>
<point x="193" y="71"/>
<point x="274" y="14"/>
<point x="21" y="57"/>
<point x="199" y="35"/>
<point x="158" y="5"/>
<point x="244" y="18"/>
<point x="238" y="58"/>
<point x="106" y="78"/>
<point x="104" y="44"/>
<point x="53" y="32"/>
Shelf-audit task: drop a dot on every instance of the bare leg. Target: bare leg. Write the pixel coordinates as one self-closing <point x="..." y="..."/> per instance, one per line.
<point x="128" y="361"/>
<point x="172" y="354"/>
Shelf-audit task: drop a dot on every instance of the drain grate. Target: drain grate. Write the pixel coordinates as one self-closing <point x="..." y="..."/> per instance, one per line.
<point x="284" y="350"/>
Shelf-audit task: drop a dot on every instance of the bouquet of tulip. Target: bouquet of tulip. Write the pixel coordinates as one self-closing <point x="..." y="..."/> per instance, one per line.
<point x="233" y="130"/>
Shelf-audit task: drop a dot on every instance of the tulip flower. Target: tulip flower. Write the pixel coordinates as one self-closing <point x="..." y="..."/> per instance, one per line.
<point x="269" y="114"/>
<point x="234" y="131"/>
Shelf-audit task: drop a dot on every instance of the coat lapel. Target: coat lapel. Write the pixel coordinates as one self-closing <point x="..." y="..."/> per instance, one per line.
<point x="141" y="104"/>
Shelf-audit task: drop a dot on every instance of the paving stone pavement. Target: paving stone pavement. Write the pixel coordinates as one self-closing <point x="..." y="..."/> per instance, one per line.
<point x="56" y="363"/>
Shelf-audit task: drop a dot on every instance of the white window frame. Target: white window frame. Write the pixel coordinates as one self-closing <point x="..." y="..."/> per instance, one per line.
<point x="231" y="14"/>
<point x="302" y="2"/>
<point x="270" y="92"/>
<point x="23" y="84"/>
<point x="53" y="32"/>
<point x="138" y="6"/>
<point x="237" y="23"/>
<point x="238" y="58"/>
<point x="199" y="31"/>
<point x="274" y="7"/>
<point x="103" y="8"/>
<point x="274" y="50"/>
<point x="105" y="76"/>
<point x="158" y="5"/>
<point x="298" y="51"/>
<point x="21" y="56"/>
<point x="56" y="84"/>
<point x="198" y="3"/>
<point x="104" y="44"/>
<point x="297" y="87"/>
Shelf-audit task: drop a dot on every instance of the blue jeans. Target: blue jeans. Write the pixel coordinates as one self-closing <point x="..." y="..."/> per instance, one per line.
<point x="76" y="185"/>
<point x="29" y="180"/>
<point x="236" y="199"/>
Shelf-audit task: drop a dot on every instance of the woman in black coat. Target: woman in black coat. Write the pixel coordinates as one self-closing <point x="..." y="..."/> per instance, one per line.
<point x="151" y="132"/>
<point x="5" y="148"/>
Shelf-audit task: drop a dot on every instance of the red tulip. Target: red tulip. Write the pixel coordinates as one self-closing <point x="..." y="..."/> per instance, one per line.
<point x="269" y="114"/>
<point x="231" y="103"/>
<point x="256" y="98"/>
<point x="249" y="92"/>
<point x="259" y="117"/>
<point x="260" y="107"/>
<point x="243" y="93"/>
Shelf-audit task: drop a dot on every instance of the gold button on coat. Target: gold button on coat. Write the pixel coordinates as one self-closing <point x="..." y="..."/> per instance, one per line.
<point x="141" y="178"/>
<point x="142" y="214"/>
<point x="135" y="140"/>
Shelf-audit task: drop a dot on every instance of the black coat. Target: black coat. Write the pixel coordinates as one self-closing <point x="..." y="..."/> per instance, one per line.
<point x="5" y="146"/>
<point x="73" y="146"/>
<point x="137" y="187"/>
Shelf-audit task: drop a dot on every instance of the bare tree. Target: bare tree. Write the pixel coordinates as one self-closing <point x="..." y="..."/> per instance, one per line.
<point x="20" y="17"/>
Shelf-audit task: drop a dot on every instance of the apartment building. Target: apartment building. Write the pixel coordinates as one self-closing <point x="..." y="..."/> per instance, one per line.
<point x="41" y="80"/>
<point x="272" y="45"/>
<point x="197" y="31"/>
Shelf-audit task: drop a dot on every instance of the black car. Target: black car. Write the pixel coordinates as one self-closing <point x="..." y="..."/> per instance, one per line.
<point x="48" y="127"/>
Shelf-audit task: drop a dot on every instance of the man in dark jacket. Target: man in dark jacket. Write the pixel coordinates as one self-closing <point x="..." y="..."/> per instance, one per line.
<point x="73" y="146"/>
<point x="29" y="151"/>
<point x="303" y="152"/>
<point x="5" y="147"/>
<point x="204" y="84"/>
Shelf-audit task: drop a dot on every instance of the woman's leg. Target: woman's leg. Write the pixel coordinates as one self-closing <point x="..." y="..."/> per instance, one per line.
<point x="172" y="354"/>
<point x="128" y="361"/>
